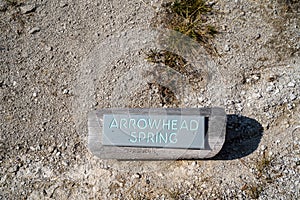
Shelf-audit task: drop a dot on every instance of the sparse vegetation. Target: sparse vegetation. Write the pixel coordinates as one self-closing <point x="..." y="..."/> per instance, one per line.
<point x="168" y="58"/>
<point x="195" y="77"/>
<point x="263" y="163"/>
<point x="167" y="97"/>
<point x="262" y="167"/>
<point x="189" y="17"/>
<point x="254" y="190"/>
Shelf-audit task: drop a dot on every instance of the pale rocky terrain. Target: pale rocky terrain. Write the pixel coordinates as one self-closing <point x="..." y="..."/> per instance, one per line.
<point x="56" y="66"/>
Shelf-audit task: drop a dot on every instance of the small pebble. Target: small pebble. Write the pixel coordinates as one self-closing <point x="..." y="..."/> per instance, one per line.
<point x="271" y="78"/>
<point x="257" y="36"/>
<point x="292" y="97"/>
<point x="137" y="176"/>
<point x="256" y="96"/>
<point x="276" y="91"/>
<point x="226" y="48"/>
<point x="263" y="147"/>
<point x="27" y="9"/>
<point x="65" y="91"/>
<point x="290" y="106"/>
<point x="50" y="149"/>
<point x="291" y="84"/>
<point x="270" y="88"/>
<point x="63" y="4"/>
<point x="48" y="48"/>
<point x="34" y="30"/>
<point x="13" y="169"/>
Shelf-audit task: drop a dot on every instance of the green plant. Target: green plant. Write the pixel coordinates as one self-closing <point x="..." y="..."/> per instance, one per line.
<point x="188" y="17"/>
<point x="167" y="96"/>
<point x="195" y="77"/>
<point x="168" y="58"/>
<point x="264" y="163"/>
<point x="190" y="9"/>
<point x="254" y="190"/>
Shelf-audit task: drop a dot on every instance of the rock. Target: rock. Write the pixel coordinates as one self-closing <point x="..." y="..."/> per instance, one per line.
<point x="65" y="91"/>
<point x="292" y="97"/>
<point x="28" y="8"/>
<point x="13" y="169"/>
<point x="48" y="48"/>
<point x="256" y="95"/>
<point x="271" y="78"/>
<point x="291" y="84"/>
<point x="257" y="36"/>
<point x="276" y="91"/>
<point x="34" y="30"/>
<point x="270" y="88"/>
<point x="63" y="4"/>
<point x="3" y="179"/>
<point x="263" y="147"/>
<point x="226" y="48"/>
<point x="290" y="106"/>
<point x="136" y="176"/>
<point x="58" y="153"/>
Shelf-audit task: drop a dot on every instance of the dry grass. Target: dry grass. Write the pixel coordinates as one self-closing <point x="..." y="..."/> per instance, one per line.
<point x="189" y="17"/>
<point x="197" y="78"/>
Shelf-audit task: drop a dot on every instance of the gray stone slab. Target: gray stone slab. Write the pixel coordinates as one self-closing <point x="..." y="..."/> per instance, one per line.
<point x="131" y="134"/>
<point x="161" y="131"/>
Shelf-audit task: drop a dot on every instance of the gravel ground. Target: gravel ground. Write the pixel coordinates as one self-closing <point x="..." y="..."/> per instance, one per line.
<point x="55" y="67"/>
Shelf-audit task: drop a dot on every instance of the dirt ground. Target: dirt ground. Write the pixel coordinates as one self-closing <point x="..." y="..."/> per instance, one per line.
<point x="61" y="59"/>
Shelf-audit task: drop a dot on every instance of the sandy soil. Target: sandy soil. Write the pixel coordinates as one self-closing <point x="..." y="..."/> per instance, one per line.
<point x="61" y="59"/>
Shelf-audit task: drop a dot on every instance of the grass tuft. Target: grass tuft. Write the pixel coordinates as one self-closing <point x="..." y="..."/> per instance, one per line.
<point x="189" y="18"/>
<point x="264" y="163"/>
<point x="190" y="9"/>
<point x="168" y="58"/>
<point x="195" y="77"/>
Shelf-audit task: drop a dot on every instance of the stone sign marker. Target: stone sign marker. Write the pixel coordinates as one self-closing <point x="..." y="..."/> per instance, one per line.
<point x="140" y="134"/>
<point x="166" y="131"/>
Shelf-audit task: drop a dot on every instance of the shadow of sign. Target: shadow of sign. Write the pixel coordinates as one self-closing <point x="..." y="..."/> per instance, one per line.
<point x="243" y="135"/>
